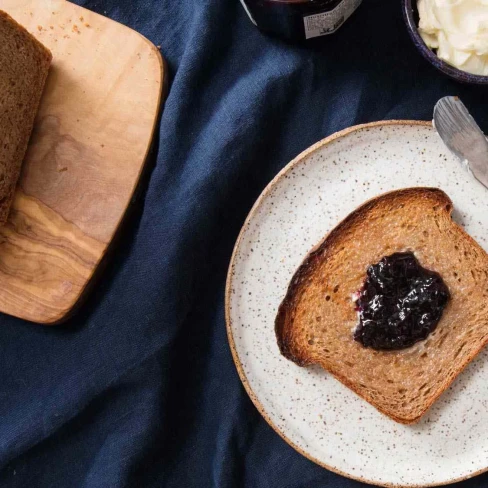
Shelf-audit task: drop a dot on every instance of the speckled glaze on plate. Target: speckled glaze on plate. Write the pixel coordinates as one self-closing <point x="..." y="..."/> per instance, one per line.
<point x="313" y="412"/>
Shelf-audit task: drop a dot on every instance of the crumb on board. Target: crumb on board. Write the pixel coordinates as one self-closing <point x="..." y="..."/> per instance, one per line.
<point x="61" y="170"/>
<point x="75" y="29"/>
<point x="159" y="47"/>
<point x="87" y="25"/>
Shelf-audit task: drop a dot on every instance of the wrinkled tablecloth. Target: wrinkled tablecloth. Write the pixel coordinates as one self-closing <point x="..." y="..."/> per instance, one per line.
<point x="139" y="388"/>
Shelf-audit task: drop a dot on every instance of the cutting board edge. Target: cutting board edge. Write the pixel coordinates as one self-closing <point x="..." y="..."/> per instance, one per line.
<point x="68" y="312"/>
<point x="52" y="318"/>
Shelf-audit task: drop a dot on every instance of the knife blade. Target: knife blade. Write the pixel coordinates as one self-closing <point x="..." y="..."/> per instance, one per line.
<point x="462" y="135"/>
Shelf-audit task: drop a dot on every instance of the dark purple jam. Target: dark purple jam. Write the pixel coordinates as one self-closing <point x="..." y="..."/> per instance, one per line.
<point x="400" y="303"/>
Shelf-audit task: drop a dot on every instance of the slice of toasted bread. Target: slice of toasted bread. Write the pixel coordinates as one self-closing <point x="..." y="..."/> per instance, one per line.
<point x="24" y="64"/>
<point x="316" y="319"/>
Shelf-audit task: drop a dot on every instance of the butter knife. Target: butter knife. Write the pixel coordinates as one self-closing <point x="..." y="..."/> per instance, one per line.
<point x="462" y="135"/>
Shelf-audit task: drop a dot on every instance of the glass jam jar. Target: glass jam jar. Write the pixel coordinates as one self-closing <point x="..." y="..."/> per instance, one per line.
<point x="299" y="19"/>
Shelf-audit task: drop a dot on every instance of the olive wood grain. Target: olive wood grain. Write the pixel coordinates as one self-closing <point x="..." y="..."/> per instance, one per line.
<point x="88" y="149"/>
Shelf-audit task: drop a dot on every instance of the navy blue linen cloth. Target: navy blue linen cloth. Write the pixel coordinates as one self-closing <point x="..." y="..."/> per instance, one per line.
<point x="139" y="388"/>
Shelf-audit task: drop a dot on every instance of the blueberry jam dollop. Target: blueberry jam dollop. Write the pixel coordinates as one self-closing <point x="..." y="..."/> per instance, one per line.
<point x="399" y="304"/>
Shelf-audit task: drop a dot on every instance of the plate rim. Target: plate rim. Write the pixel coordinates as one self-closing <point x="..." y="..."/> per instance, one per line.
<point x="230" y="337"/>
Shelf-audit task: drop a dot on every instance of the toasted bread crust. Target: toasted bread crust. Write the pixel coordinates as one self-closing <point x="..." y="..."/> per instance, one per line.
<point x="291" y="341"/>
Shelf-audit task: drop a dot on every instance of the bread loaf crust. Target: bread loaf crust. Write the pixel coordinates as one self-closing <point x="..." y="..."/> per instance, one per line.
<point x="24" y="66"/>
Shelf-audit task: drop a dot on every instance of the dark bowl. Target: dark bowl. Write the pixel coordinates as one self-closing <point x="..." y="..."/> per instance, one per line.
<point x="411" y="15"/>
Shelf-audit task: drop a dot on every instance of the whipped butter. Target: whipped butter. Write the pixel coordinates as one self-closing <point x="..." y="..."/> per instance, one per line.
<point x="458" y="31"/>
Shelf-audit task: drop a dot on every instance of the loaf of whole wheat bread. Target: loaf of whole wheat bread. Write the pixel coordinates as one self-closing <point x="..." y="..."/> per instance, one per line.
<point x="316" y="319"/>
<point x="24" y="65"/>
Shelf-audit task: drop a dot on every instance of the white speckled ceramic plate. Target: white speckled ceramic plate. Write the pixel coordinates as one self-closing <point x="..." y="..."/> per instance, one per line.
<point x="313" y="412"/>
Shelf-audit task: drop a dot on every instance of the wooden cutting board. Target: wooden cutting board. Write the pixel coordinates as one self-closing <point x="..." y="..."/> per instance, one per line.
<point x="85" y="158"/>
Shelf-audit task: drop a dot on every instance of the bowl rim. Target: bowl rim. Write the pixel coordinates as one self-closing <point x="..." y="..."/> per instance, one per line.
<point x="453" y="72"/>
